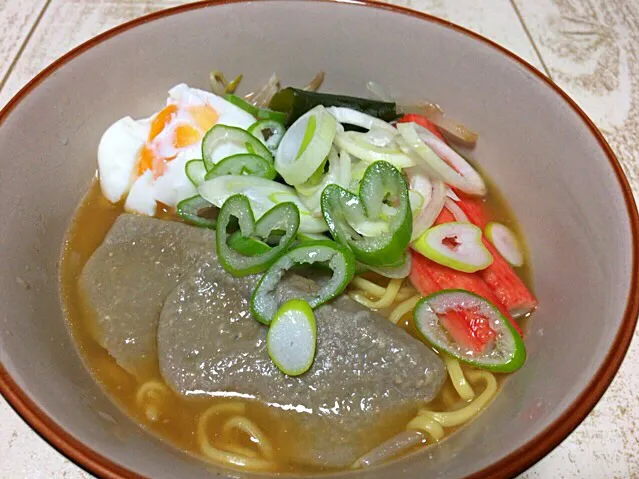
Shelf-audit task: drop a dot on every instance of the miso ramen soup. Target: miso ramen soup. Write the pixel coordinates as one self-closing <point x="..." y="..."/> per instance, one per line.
<point x="369" y="306"/>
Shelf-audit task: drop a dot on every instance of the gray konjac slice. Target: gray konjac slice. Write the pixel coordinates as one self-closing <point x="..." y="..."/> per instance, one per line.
<point x="127" y="279"/>
<point x="368" y="378"/>
<point x="367" y="372"/>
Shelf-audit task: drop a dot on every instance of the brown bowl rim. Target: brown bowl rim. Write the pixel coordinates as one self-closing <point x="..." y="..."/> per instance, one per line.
<point x="508" y="466"/>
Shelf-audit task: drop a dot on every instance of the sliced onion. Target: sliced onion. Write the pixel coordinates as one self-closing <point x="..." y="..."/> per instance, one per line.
<point x="358" y="168"/>
<point x="297" y="162"/>
<point x="453" y="130"/>
<point x="357" y="118"/>
<point x="434" y="193"/>
<point x="358" y="145"/>
<point x="389" y="449"/>
<point x="381" y="137"/>
<point x="345" y="169"/>
<point x="397" y="272"/>
<point x="417" y="200"/>
<point x="314" y="183"/>
<point x="379" y="91"/>
<point x="442" y="160"/>
<point x="262" y="194"/>
<point x="456" y="211"/>
<point x="311" y="194"/>
<point x="451" y="194"/>
<point x="368" y="228"/>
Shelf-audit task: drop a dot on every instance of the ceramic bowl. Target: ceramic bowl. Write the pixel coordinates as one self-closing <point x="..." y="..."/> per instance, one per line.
<point x="559" y="175"/>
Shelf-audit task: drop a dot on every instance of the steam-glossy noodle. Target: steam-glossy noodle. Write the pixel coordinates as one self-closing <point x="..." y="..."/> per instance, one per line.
<point x="465" y="414"/>
<point x="149" y="397"/>
<point x="427" y="425"/>
<point x="249" y="428"/>
<point x="364" y="289"/>
<point x="432" y="423"/>
<point x="403" y="308"/>
<point x="461" y="385"/>
<point x="390" y="293"/>
<point x="239" y="456"/>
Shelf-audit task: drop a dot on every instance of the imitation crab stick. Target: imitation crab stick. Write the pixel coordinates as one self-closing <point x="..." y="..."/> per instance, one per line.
<point x="473" y="208"/>
<point x="455" y="322"/>
<point x="465" y="328"/>
<point x="507" y="286"/>
<point x="499" y="276"/>
<point x="426" y="273"/>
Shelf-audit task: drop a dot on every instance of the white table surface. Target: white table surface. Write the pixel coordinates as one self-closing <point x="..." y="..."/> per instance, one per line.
<point x="589" y="47"/>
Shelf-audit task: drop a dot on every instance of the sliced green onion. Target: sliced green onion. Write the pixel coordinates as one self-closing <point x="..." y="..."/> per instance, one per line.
<point x="311" y="190"/>
<point x="292" y="337"/>
<point x="195" y="171"/>
<point x="197" y="211"/>
<point x="243" y="164"/>
<point x="441" y="159"/>
<point x="433" y="197"/>
<point x="456" y="245"/>
<point x="263" y="194"/>
<point x="271" y="115"/>
<point x="305" y="145"/>
<point x="315" y="180"/>
<point x="506" y="351"/>
<point x="388" y="236"/>
<point x="269" y="132"/>
<point x="221" y="134"/>
<point x="358" y="145"/>
<point x="264" y="302"/>
<point x="241" y="103"/>
<point x="284" y="217"/>
<point x="506" y="243"/>
<point x="358" y="168"/>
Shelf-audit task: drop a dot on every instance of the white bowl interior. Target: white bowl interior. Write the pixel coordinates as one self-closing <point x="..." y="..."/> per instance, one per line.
<point x="536" y="148"/>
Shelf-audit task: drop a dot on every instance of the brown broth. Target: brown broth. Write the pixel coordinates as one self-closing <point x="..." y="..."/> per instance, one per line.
<point x="178" y="415"/>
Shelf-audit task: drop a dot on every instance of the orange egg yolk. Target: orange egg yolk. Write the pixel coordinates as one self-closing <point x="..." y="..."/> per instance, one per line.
<point x="204" y="117"/>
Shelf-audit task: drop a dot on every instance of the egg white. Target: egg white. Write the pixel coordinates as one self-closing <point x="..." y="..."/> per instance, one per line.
<point x="121" y="143"/>
<point x="141" y="197"/>
<point x="117" y="156"/>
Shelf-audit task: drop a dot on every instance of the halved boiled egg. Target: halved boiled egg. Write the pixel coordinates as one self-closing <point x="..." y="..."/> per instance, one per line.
<point x="143" y="160"/>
